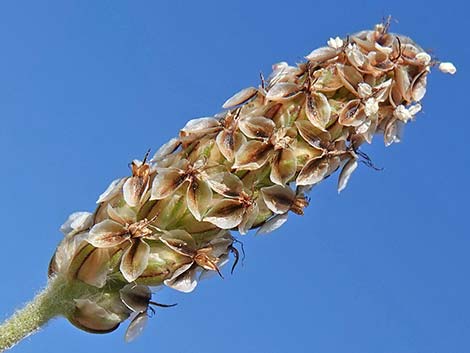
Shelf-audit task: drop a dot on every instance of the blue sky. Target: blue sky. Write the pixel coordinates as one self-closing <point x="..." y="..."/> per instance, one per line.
<point x="86" y="86"/>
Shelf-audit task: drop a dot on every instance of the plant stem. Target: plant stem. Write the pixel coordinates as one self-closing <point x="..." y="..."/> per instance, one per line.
<point x="49" y="303"/>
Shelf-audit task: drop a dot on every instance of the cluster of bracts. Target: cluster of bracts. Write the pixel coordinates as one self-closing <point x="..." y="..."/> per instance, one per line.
<point x="168" y="223"/>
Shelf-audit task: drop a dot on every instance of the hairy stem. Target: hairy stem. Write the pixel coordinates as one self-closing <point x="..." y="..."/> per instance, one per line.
<point x="49" y="303"/>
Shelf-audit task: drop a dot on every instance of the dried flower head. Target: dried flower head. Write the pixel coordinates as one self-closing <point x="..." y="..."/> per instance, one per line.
<point x="168" y="222"/>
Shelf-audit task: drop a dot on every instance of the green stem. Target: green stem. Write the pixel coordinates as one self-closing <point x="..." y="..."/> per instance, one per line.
<point x="49" y="303"/>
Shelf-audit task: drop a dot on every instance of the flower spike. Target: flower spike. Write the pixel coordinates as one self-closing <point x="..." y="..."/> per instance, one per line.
<point x="169" y="222"/>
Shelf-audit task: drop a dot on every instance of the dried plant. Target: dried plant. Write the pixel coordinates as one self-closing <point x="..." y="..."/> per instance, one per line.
<point x="169" y="222"/>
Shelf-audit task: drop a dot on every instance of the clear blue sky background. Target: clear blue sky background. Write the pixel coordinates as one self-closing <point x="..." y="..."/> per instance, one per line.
<point x="86" y="86"/>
